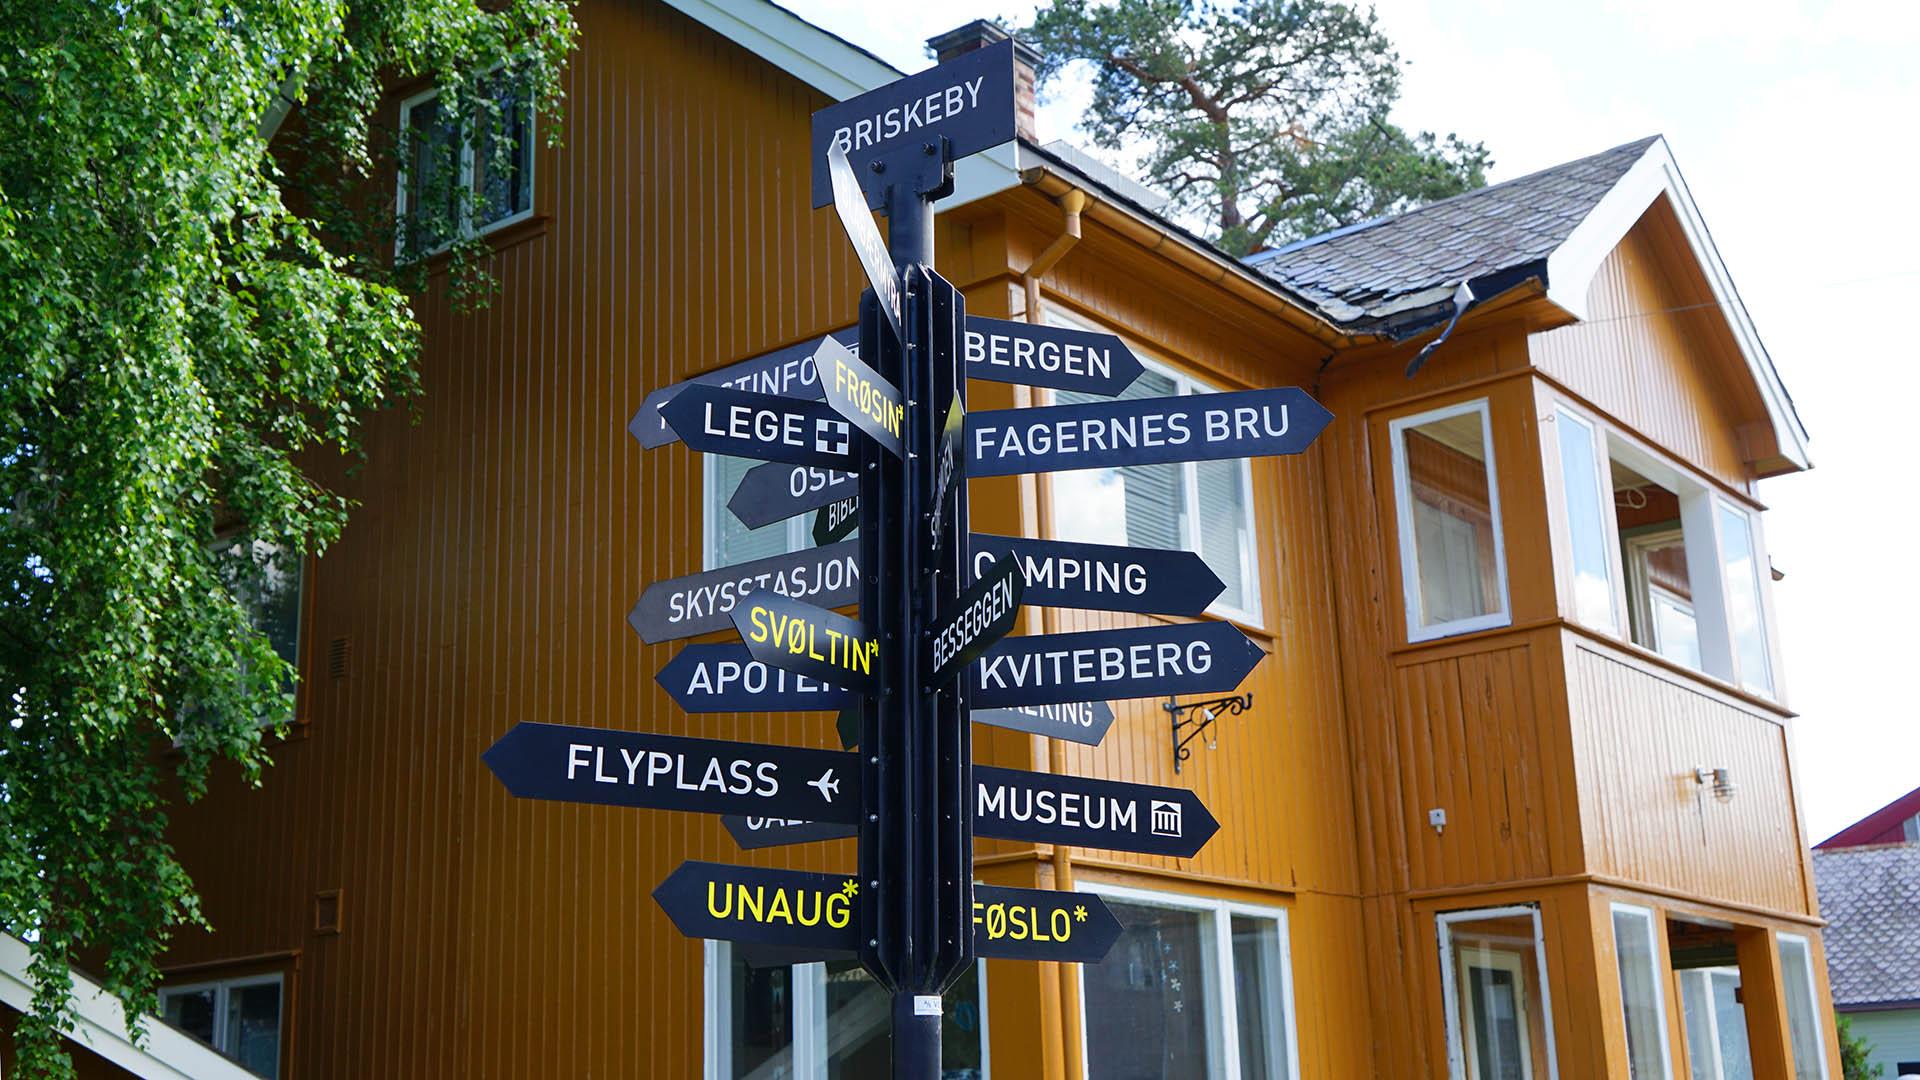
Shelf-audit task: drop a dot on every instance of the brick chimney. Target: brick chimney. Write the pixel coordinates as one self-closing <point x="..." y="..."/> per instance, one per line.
<point x="981" y="33"/>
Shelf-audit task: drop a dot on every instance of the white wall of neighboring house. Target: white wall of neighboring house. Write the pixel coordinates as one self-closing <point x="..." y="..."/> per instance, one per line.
<point x="1894" y="1035"/>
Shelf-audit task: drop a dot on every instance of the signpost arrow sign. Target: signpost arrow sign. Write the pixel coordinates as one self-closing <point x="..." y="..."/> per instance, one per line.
<point x="716" y="420"/>
<point x="671" y="772"/>
<point x="787" y="372"/>
<point x="726" y="678"/>
<point x="816" y="913"/>
<point x="1057" y="356"/>
<point x="1055" y="808"/>
<point x="851" y="204"/>
<point x="752" y="833"/>
<point x="858" y="393"/>
<point x="775" y="492"/>
<point x="1103" y="577"/>
<point x="1143" y="431"/>
<point x="982" y="615"/>
<point x="1083" y="722"/>
<point x="685" y="607"/>
<point x="836" y="520"/>
<point x="1142" y="661"/>
<point x="810" y="641"/>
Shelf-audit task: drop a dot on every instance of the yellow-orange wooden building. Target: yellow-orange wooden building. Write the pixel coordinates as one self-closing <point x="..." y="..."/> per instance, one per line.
<point x="1514" y="798"/>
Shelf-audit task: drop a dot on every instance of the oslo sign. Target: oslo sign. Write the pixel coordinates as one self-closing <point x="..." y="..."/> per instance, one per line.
<point x="715" y="420"/>
<point x="670" y="772"/>
<point x="808" y="641"/>
<point x="1055" y="808"/>
<point x="967" y="101"/>
<point x="697" y="604"/>
<point x="1143" y="661"/>
<point x="726" y="678"/>
<point x="818" y="913"/>
<point x="1053" y="356"/>
<point x="1103" y="577"/>
<point x="775" y="492"/>
<point x="981" y="616"/>
<point x="1143" y="431"/>
<point x="786" y="372"/>
<point x="1083" y="722"/>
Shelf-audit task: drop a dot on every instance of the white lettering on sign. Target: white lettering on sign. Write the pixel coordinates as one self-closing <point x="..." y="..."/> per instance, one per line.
<point x="804" y="480"/>
<point x="1077" y="435"/>
<point x="1097" y="664"/>
<point x="1027" y="354"/>
<point x="1044" y="806"/>
<point x="720" y="597"/>
<point x="903" y="119"/>
<point x="972" y="621"/>
<point x="741" y="776"/>
<point x="721" y="676"/>
<point x="1116" y="576"/>
<point x="1073" y="714"/>
<point x="851" y="204"/>
<point x="783" y="378"/>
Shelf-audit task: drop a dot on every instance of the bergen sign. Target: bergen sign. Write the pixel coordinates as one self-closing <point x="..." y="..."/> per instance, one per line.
<point x="1054" y="356"/>
<point x="967" y="101"/>
<point x="1143" y="431"/>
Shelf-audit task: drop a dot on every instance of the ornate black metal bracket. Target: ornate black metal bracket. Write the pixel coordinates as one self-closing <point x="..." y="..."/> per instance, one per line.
<point x="1195" y="717"/>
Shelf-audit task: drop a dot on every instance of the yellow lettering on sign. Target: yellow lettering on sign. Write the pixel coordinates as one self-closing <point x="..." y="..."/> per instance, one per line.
<point x="732" y="901"/>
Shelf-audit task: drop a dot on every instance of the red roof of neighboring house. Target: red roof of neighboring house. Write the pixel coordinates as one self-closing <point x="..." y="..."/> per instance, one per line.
<point x="1883" y="826"/>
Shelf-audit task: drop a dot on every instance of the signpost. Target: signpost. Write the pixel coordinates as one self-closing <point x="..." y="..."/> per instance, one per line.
<point x="872" y="430"/>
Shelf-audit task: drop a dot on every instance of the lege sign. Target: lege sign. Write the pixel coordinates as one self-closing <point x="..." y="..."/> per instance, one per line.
<point x="715" y="420"/>
<point x="810" y="641"/>
<point x="1143" y="431"/>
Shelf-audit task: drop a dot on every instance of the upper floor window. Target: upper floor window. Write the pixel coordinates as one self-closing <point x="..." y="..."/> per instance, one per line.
<point x="1691" y="557"/>
<point x="1200" y="506"/>
<point x="464" y="175"/>
<point x="1453" y="561"/>
<point x="1193" y="988"/>
<point x="238" y="1017"/>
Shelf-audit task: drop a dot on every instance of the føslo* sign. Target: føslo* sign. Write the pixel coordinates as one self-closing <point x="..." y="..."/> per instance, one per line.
<point x="1143" y="431"/>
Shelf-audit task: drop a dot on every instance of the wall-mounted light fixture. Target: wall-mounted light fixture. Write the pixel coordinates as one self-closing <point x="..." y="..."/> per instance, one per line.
<point x="1195" y="717"/>
<point x="1720" y="780"/>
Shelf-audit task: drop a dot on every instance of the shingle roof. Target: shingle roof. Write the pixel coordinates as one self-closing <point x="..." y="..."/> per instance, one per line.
<point x="1379" y="270"/>
<point x="1870" y="897"/>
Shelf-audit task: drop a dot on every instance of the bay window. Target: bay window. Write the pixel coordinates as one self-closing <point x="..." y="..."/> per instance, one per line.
<point x="1453" y="561"/>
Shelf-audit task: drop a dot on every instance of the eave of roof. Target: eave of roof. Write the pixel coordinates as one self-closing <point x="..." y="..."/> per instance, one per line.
<point x="1875" y="824"/>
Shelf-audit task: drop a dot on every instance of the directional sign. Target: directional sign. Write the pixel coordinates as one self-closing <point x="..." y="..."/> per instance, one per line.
<point x="1143" y="661"/>
<point x="752" y="833"/>
<point x="1103" y="577"/>
<point x="726" y="678"/>
<point x="858" y="393"/>
<point x="836" y="520"/>
<point x="787" y="372"/>
<point x="1076" y="721"/>
<point x="716" y="420"/>
<point x="1057" y="356"/>
<point x="982" y="615"/>
<point x="670" y="772"/>
<point x="947" y="469"/>
<point x="1143" y="431"/>
<point x="968" y="101"/>
<point x="684" y="607"/>
<point x="817" y="914"/>
<point x="851" y="204"/>
<point x="1055" y="808"/>
<point x="775" y="492"/>
<point x="808" y="640"/>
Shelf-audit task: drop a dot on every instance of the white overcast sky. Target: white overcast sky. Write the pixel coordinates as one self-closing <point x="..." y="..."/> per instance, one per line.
<point x="1796" y="126"/>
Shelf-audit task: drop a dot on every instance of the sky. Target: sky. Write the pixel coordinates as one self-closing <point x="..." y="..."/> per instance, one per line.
<point x="1797" y="128"/>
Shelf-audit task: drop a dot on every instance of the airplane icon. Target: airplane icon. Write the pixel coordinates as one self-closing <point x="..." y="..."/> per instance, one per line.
<point x="829" y="787"/>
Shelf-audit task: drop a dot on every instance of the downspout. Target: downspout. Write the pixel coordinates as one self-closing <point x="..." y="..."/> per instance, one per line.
<point x="1072" y="202"/>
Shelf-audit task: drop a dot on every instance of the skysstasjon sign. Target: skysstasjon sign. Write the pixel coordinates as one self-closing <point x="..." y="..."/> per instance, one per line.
<point x="697" y="604"/>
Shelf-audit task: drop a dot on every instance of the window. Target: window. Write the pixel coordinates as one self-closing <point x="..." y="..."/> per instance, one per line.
<point x="1589" y="521"/>
<point x="238" y="1017"/>
<point x="1193" y="988"/>
<point x="1740" y="563"/>
<point x="1640" y="996"/>
<point x="1803" y="1017"/>
<point x="1716" y="1024"/>
<point x="268" y="581"/>
<point x="825" y="1021"/>
<point x="1494" y="991"/>
<point x="1452" y="558"/>
<point x="464" y="176"/>
<point x="1200" y="506"/>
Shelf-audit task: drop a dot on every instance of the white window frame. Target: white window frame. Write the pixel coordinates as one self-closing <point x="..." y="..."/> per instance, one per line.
<point x="1711" y="1014"/>
<point x="1768" y="685"/>
<point x="1450" y="988"/>
<point x="1183" y="385"/>
<point x="1811" y="986"/>
<point x="713" y="506"/>
<point x="1650" y="922"/>
<point x="1223" y="1027"/>
<point x="1609" y="520"/>
<point x="222" y="991"/>
<point x="809" y="1017"/>
<point x="468" y="229"/>
<point x="1403" y="511"/>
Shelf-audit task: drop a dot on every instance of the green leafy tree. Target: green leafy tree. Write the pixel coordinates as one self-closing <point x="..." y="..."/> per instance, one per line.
<point x="1267" y="118"/>
<point x="1854" y="1052"/>
<point x="189" y="317"/>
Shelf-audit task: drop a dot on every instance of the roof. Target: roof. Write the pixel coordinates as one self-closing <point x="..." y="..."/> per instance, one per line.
<point x="1880" y="827"/>
<point x="1870" y="897"/>
<point x="1374" y="270"/>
